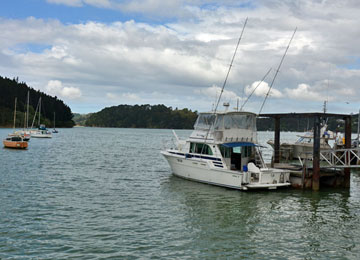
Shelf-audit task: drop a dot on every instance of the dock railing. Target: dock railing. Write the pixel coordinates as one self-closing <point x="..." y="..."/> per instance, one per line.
<point x="340" y="158"/>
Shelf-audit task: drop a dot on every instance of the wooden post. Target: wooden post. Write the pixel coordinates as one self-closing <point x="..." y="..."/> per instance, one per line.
<point x="347" y="146"/>
<point x="316" y="155"/>
<point x="277" y="141"/>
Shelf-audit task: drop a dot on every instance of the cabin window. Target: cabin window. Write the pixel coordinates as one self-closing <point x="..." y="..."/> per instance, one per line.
<point x="200" y="148"/>
<point x="204" y="121"/>
<point x="225" y="151"/>
<point x="219" y="122"/>
<point x="236" y="149"/>
<point x="231" y="121"/>
<point x="247" y="151"/>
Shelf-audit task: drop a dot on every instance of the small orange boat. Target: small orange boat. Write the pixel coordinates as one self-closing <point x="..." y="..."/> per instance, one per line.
<point x="16" y="142"/>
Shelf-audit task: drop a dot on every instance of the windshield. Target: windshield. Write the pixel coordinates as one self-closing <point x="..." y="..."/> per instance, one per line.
<point x="204" y="121"/>
<point x="237" y="121"/>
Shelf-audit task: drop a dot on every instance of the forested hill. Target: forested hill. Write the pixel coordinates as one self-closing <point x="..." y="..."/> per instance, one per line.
<point x="143" y="116"/>
<point x="11" y="88"/>
<point x="160" y="116"/>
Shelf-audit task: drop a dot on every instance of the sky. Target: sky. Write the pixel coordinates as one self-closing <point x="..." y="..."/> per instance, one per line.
<point x="99" y="53"/>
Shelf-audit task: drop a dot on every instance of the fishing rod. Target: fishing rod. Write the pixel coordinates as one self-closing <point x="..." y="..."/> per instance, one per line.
<point x="232" y="60"/>
<point x="277" y="71"/>
<point x="223" y="86"/>
<point x="262" y="80"/>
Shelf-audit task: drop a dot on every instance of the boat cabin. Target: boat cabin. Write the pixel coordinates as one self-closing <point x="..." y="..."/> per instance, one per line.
<point x="226" y="127"/>
<point x="230" y="136"/>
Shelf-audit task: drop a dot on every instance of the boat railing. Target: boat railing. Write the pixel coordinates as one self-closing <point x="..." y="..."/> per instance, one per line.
<point x="259" y="158"/>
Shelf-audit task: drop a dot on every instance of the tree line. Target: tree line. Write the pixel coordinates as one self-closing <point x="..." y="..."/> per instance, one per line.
<point x="160" y="116"/>
<point x="12" y="88"/>
<point x="143" y="116"/>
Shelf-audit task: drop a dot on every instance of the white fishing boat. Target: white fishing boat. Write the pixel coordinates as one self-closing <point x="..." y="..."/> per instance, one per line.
<point x="303" y="147"/>
<point x="223" y="150"/>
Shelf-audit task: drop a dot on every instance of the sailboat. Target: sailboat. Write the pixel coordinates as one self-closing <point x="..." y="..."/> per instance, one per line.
<point x="54" y="130"/>
<point x="41" y="132"/>
<point x="13" y="140"/>
<point x="25" y="133"/>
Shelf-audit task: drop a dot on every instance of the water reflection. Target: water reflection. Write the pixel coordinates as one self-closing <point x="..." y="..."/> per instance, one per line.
<point x="263" y="224"/>
<point x="113" y="196"/>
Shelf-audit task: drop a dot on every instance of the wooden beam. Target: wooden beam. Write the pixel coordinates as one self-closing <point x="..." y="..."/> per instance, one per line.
<point x="347" y="146"/>
<point x="316" y="156"/>
<point x="277" y="141"/>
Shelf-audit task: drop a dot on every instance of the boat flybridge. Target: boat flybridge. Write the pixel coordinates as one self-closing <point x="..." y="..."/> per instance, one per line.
<point x="223" y="150"/>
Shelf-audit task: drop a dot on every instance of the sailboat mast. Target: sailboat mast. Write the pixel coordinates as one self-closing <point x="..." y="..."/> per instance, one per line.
<point x="39" y="110"/>
<point x="27" y="110"/>
<point x="15" y="112"/>
<point x="358" y="130"/>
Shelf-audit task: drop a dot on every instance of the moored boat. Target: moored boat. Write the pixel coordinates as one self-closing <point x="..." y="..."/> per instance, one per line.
<point x="303" y="147"/>
<point x="54" y="130"/>
<point x="223" y="150"/>
<point x="23" y="133"/>
<point x="42" y="132"/>
<point x="15" y="142"/>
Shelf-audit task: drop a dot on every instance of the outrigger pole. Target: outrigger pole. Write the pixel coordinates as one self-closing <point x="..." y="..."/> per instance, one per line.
<point x="232" y="60"/>
<point x="227" y="75"/>
<point x="255" y="89"/>
<point x="277" y="71"/>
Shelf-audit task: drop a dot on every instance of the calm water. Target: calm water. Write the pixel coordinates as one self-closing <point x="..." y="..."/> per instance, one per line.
<point x="95" y="193"/>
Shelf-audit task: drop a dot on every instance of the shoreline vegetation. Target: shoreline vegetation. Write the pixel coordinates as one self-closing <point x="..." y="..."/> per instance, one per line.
<point x="162" y="117"/>
<point x="121" y="116"/>
<point x="12" y="88"/>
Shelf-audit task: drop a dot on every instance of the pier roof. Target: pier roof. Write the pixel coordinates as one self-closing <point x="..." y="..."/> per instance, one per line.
<point x="304" y="115"/>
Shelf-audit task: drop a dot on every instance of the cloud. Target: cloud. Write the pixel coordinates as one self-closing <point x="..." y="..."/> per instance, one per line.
<point x="79" y="3"/>
<point x="74" y="3"/>
<point x="214" y="92"/>
<point x="305" y="92"/>
<point x="124" y="97"/>
<point x="261" y="89"/>
<point x="56" y="88"/>
<point x="182" y="56"/>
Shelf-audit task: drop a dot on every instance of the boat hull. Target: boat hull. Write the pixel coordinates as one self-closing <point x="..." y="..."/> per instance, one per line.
<point x="297" y="150"/>
<point x="203" y="171"/>
<point x="200" y="171"/>
<point x="41" y="136"/>
<point x="15" y="144"/>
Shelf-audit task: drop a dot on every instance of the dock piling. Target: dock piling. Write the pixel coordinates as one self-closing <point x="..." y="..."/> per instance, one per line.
<point x="316" y="155"/>
<point x="277" y="141"/>
<point x="346" y="183"/>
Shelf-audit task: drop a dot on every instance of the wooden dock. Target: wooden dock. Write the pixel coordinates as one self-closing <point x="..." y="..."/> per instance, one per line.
<point x="302" y="177"/>
<point x="315" y="176"/>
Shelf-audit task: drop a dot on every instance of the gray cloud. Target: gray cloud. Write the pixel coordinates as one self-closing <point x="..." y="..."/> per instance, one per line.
<point x="177" y="63"/>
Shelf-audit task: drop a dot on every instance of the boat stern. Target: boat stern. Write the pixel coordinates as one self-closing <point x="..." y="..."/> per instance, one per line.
<point x="269" y="179"/>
